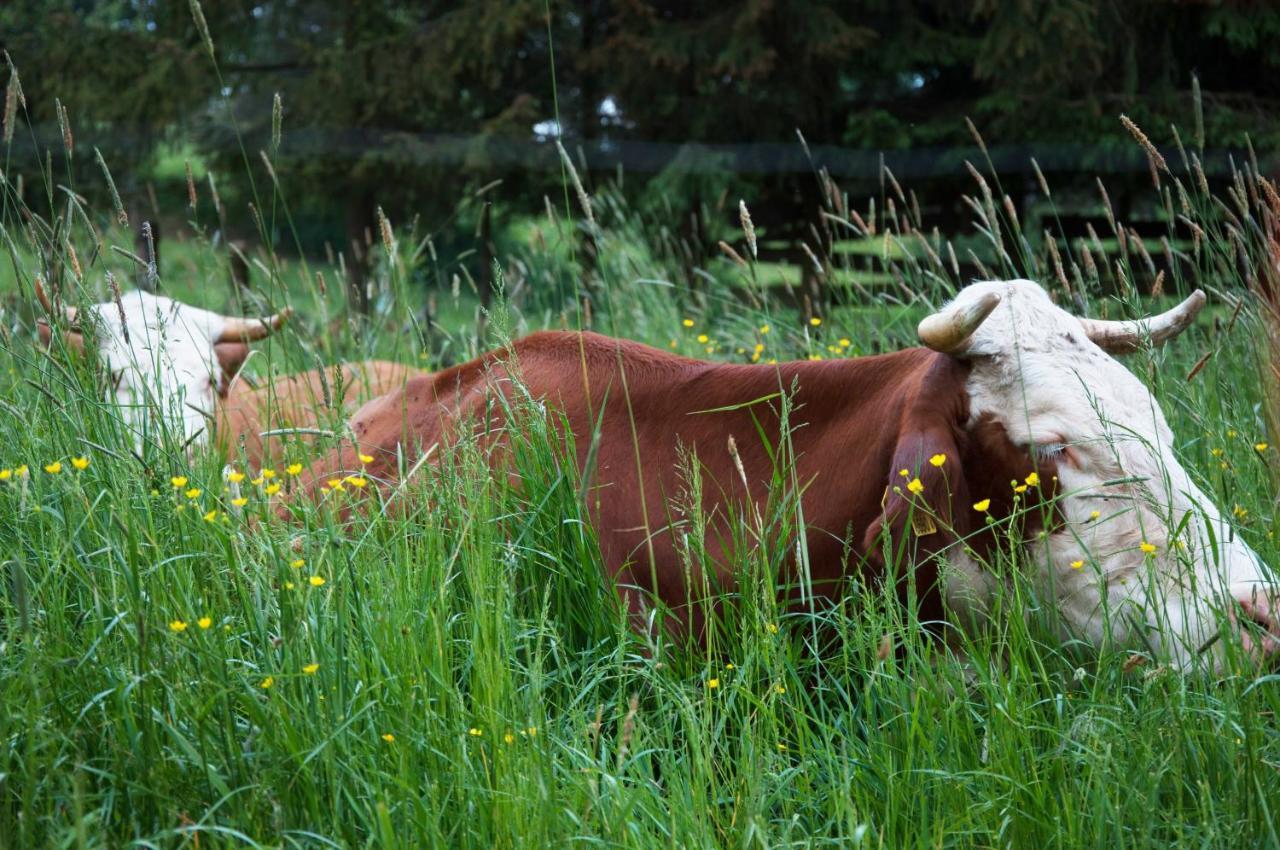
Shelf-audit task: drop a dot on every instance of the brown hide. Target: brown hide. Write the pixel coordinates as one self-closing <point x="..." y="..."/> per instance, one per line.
<point x="308" y="400"/>
<point x="855" y="423"/>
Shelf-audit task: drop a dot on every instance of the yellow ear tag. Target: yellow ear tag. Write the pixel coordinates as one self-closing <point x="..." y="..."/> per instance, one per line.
<point x="922" y="524"/>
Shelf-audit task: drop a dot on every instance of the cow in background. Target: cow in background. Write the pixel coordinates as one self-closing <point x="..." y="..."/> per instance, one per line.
<point x="1013" y="417"/>
<point x="177" y="364"/>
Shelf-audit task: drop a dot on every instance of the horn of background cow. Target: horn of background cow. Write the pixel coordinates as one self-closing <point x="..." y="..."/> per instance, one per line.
<point x="47" y="303"/>
<point x="948" y="331"/>
<point x="1128" y="336"/>
<point x="251" y="330"/>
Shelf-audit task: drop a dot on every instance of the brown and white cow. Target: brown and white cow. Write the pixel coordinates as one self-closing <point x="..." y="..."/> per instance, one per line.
<point x="1008" y="385"/>
<point x="179" y="365"/>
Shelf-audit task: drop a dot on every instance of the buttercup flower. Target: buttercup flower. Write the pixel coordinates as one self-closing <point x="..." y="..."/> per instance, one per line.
<point x="938" y="459"/>
<point x="53" y="468"/>
<point x="177" y="626"/>
<point x="240" y="502"/>
<point x="688" y="323"/>
<point x="815" y="321"/>
<point x="267" y="682"/>
<point x="272" y="489"/>
<point x="293" y="468"/>
<point x="356" y="480"/>
<point x="915" y="486"/>
<point x="983" y="506"/>
<point x="211" y="515"/>
<point x="297" y="563"/>
<point x="1033" y="480"/>
<point x="193" y="493"/>
<point x="366" y="458"/>
<point x="178" y="481"/>
<point x="1262" y="447"/>
<point x="80" y="462"/>
<point x="316" y="581"/>
<point x="311" y="669"/>
<point x="5" y="474"/>
<point x="204" y="622"/>
<point x="510" y="738"/>
<point x="1148" y="548"/>
<point x="389" y="738"/>
<point x="713" y="683"/>
<point x="1075" y="565"/>
<point x="235" y="477"/>
<point x="475" y="732"/>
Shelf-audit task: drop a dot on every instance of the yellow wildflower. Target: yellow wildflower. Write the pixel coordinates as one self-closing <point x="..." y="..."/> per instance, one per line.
<point x="356" y="480"/>
<point x="983" y="506"/>
<point x="915" y="486"/>
<point x="772" y="628"/>
<point x="316" y="581"/>
<point x="1262" y="447"/>
<point x="779" y="689"/>
<point x="1033" y="480"/>
<point x="815" y="321"/>
<point x="240" y="502"/>
<point x="297" y="563"/>
<point x="938" y="459"/>
<point x="21" y="471"/>
<point x="389" y="738"/>
<point x="80" y="462"/>
<point x="1021" y="488"/>
<point x="475" y="732"/>
<point x="713" y="683"/>
<point x="1075" y="565"/>
<point x="764" y="329"/>
<point x="1231" y="434"/>
<point x="257" y="482"/>
<point x="288" y="585"/>
<point x="193" y="493"/>
<point x="178" y="481"/>
<point x="5" y="473"/>
<point x="815" y="356"/>
<point x="703" y="338"/>
<point x="293" y="468"/>
<point x="1216" y="452"/>
<point x="211" y="515"/>
<point x="267" y="682"/>
<point x="235" y="477"/>
<point x="1240" y="512"/>
<point x="177" y="626"/>
<point x="53" y="468"/>
<point x="903" y="473"/>
<point x="272" y="489"/>
<point x="1148" y="548"/>
<point x="268" y="474"/>
<point x="204" y="622"/>
<point x="365" y="458"/>
<point x="510" y="738"/>
<point x="688" y="323"/>
<point x="533" y="731"/>
<point x="1094" y="515"/>
<point x="311" y="668"/>
<point x="845" y="342"/>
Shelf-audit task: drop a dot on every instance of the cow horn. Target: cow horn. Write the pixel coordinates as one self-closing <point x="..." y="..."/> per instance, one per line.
<point x="1128" y="336"/>
<point x="47" y="303"/>
<point x="948" y="331"/>
<point x="251" y="330"/>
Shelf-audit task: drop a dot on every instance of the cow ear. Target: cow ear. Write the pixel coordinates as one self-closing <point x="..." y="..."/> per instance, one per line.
<point x="231" y="357"/>
<point x="73" y="339"/>
<point x="921" y="508"/>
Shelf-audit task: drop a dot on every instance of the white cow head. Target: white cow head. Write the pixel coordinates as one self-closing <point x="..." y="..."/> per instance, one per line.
<point x="165" y="359"/>
<point x="1140" y="557"/>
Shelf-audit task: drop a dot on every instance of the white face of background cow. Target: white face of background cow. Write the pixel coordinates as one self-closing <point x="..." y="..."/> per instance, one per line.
<point x="165" y="359"/>
<point x="1041" y="373"/>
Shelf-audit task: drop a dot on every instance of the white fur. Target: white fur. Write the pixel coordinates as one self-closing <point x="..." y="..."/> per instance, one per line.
<point x="1037" y="372"/>
<point x="165" y="366"/>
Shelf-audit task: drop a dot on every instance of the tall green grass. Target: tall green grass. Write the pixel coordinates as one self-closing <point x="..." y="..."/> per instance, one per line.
<point x="457" y="673"/>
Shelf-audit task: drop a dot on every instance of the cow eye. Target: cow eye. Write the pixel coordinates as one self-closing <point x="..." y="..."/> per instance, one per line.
<point x="1053" y="451"/>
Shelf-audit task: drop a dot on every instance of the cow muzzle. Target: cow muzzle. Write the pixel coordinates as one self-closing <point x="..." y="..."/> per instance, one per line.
<point x="1256" y="617"/>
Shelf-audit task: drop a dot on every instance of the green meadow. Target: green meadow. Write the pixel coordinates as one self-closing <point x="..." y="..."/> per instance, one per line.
<point x="180" y="671"/>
